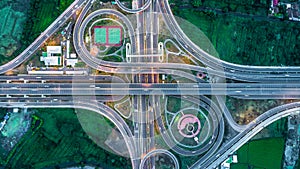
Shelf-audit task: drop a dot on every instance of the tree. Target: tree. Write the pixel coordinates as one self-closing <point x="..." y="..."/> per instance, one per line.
<point x="196" y="3"/>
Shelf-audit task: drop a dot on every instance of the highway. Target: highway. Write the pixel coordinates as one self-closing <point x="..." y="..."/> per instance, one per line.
<point x="88" y="92"/>
<point x="56" y="78"/>
<point x="86" y="89"/>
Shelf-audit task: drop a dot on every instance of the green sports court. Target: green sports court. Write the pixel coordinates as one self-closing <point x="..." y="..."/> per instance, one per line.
<point x="108" y="35"/>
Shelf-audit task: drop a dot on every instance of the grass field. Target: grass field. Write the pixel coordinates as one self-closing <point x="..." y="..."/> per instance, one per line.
<point x="40" y="15"/>
<point x="246" y="40"/>
<point x="12" y="19"/>
<point x="60" y="141"/>
<point x="264" y="153"/>
<point x="22" y="21"/>
<point x="112" y="58"/>
<point x="254" y="7"/>
<point x="45" y="15"/>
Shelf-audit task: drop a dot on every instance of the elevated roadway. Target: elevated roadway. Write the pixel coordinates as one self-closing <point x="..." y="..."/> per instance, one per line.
<point x="160" y="151"/>
<point x="56" y="78"/>
<point x="275" y="84"/>
<point x="91" y="105"/>
<point x="82" y="89"/>
<point x="254" y="127"/>
<point x="217" y="131"/>
<point x="138" y="10"/>
<point x="212" y="61"/>
<point x="122" y="67"/>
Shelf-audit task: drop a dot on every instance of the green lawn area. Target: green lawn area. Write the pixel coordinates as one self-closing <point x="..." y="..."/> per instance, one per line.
<point x="263" y="153"/>
<point x="60" y="140"/>
<point x="40" y="15"/>
<point x="112" y="58"/>
<point x="244" y="40"/>
<point x="255" y="7"/>
<point x="12" y="19"/>
<point x="174" y="104"/>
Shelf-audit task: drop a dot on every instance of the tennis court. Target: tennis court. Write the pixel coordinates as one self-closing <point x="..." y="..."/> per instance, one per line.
<point x="108" y="35"/>
<point x="114" y="36"/>
<point x="100" y="35"/>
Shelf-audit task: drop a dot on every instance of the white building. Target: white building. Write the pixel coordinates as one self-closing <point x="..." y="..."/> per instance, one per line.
<point x="226" y="163"/>
<point x="73" y="55"/>
<point x="71" y="62"/>
<point x="53" y="50"/>
<point x="53" y="57"/>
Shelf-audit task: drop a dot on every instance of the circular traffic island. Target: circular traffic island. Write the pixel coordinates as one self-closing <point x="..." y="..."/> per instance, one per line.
<point x="191" y="128"/>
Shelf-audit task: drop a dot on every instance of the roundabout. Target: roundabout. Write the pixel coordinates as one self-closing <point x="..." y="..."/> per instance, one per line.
<point x="191" y="127"/>
<point x="188" y="123"/>
<point x="191" y="131"/>
<point x="201" y="121"/>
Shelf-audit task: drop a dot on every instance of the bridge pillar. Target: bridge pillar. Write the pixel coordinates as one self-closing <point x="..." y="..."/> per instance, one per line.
<point x="128" y="52"/>
<point x="161" y="51"/>
<point x="8" y="81"/>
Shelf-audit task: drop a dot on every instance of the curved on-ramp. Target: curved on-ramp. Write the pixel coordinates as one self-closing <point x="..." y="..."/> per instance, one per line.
<point x="97" y="107"/>
<point x="141" y="9"/>
<point x="253" y="128"/>
<point x="159" y="151"/>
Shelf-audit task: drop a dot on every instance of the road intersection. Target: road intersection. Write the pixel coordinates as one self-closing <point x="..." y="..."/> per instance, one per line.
<point x="146" y="88"/>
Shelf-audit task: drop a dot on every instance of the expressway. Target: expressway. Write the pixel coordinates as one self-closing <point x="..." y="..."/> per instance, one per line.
<point x="227" y="114"/>
<point x="75" y="92"/>
<point x="286" y="91"/>
<point x="56" y="78"/>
